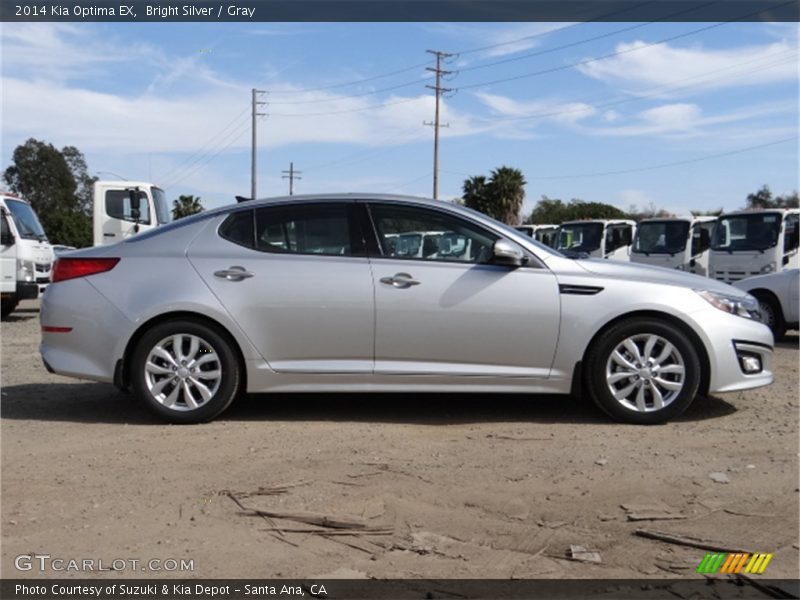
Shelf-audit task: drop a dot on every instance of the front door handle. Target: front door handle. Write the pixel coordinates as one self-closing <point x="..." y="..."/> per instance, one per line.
<point x="400" y="280"/>
<point x="233" y="274"/>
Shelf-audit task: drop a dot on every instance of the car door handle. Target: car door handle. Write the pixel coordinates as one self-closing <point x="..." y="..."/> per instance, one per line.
<point x="234" y="274"/>
<point x="400" y="280"/>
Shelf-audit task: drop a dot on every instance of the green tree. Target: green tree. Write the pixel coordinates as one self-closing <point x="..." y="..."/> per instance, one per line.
<point x="763" y="198"/>
<point x="500" y="197"/>
<point x="185" y="206"/>
<point x="553" y="210"/>
<point x="507" y="193"/>
<point x="57" y="185"/>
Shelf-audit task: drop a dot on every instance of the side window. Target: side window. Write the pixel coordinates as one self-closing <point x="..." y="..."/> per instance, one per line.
<point x="325" y="229"/>
<point x="238" y="228"/>
<point x="423" y="234"/>
<point x="118" y="206"/>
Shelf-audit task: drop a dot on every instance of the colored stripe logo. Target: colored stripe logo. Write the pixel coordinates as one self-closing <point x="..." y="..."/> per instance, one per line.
<point x="739" y="562"/>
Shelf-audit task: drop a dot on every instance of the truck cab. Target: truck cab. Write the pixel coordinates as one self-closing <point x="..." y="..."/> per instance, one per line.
<point x="26" y="256"/>
<point x="757" y="242"/>
<point x="544" y="234"/>
<point x="599" y="238"/>
<point x="674" y="243"/>
<point x="124" y="208"/>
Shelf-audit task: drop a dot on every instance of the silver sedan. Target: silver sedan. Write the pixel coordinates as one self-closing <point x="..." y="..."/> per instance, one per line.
<point x="364" y="293"/>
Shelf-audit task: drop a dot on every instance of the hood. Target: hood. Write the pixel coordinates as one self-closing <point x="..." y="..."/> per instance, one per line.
<point x="652" y="274"/>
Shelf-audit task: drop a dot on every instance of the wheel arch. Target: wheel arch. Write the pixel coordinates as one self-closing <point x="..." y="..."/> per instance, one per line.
<point x="122" y="368"/>
<point x="768" y="293"/>
<point x="685" y="328"/>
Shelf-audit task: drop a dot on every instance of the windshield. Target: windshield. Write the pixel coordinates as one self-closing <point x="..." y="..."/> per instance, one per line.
<point x="163" y="214"/>
<point x="755" y="231"/>
<point x="25" y="219"/>
<point x="580" y="237"/>
<point x="661" y="237"/>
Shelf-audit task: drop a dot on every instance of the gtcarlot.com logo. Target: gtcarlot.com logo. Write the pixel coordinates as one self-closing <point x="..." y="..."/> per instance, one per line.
<point x="739" y="562"/>
<point x="45" y="562"/>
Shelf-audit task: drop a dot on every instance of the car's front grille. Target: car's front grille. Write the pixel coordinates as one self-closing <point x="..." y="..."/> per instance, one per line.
<point x="43" y="267"/>
<point x="42" y="280"/>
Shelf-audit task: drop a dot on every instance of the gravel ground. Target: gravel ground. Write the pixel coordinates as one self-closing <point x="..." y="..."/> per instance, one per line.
<point x="446" y="486"/>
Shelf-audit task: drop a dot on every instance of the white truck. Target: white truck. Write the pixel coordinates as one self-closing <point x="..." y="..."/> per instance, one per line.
<point x="756" y="242"/>
<point x="599" y="238"/>
<point x="26" y="257"/>
<point x="674" y="243"/>
<point x="124" y="208"/>
<point x="545" y="234"/>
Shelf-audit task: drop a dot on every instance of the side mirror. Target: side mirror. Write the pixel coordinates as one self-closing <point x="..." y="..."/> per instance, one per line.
<point x="703" y="243"/>
<point x="6" y="237"/>
<point x="507" y="253"/>
<point x="135" y="204"/>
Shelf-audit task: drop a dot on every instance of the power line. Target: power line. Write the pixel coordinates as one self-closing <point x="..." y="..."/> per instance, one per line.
<point x="178" y="167"/>
<point x="670" y="164"/>
<point x="648" y="94"/>
<point x="617" y="53"/>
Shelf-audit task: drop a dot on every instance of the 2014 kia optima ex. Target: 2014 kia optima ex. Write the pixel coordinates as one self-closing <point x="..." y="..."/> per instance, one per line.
<point x="364" y="293"/>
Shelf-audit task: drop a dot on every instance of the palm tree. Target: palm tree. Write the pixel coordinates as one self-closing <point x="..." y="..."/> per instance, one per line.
<point x="185" y="206"/>
<point x="507" y="193"/>
<point x="476" y="193"/>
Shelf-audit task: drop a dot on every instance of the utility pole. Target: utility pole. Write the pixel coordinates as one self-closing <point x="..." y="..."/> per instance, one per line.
<point x="439" y="90"/>
<point x="291" y="175"/>
<point x="256" y="114"/>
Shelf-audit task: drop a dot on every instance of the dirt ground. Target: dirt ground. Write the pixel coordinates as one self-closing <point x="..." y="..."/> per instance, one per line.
<point x="444" y="486"/>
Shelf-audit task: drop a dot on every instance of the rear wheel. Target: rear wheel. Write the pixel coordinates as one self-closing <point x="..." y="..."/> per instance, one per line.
<point x="8" y="305"/>
<point x="643" y="371"/>
<point x="771" y="314"/>
<point x="185" y="371"/>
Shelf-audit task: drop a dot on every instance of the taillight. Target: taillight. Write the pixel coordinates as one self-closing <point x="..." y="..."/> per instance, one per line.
<point x="70" y="268"/>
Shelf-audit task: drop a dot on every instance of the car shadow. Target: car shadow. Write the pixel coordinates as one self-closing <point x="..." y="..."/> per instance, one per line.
<point x="102" y="403"/>
<point x="16" y="317"/>
<point x="789" y="341"/>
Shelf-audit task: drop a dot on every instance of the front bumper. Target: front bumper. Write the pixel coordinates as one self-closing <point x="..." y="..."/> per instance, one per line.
<point x="734" y="343"/>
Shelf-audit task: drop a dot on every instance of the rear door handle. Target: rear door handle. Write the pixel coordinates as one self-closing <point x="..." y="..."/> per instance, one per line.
<point x="400" y="280"/>
<point x="234" y="274"/>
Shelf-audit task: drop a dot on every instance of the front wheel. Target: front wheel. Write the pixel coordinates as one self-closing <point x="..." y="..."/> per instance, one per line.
<point x="643" y="371"/>
<point x="185" y="371"/>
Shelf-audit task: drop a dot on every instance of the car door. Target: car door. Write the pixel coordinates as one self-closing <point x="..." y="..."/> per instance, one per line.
<point x="8" y="256"/>
<point x="447" y="310"/>
<point x="296" y="279"/>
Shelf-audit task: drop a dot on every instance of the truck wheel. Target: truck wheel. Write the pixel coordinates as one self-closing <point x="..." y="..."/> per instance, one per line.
<point x="185" y="371"/>
<point x="771" y="314"/>
<point x="8" y="305"/>
<point x="643" y="371"/>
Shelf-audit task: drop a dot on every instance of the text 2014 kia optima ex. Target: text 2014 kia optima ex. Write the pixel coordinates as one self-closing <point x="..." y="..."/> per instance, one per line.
<point x="364" y="293"/>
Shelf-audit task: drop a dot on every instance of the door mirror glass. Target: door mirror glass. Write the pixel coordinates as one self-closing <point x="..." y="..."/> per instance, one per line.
<point x="135" y="204"/>
<point x="6" y="237"/>
<point x="701" y="241"/>
<point x="508" y="253"/>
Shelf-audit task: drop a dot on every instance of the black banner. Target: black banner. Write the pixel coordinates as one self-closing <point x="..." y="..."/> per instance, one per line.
<point x="399" y="10"/>
<point x="390" y="589"/>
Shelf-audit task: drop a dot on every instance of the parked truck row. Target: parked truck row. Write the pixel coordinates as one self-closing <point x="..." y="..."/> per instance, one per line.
<point x="728" y="248"/>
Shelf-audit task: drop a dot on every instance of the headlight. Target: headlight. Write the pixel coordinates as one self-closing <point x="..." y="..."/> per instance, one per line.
<point x="746" y="307"/>
<point x="25" y="270"/>
<point x="768" y="268"/>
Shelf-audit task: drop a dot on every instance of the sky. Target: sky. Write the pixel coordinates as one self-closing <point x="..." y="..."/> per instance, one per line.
<point x="683" y="116"/>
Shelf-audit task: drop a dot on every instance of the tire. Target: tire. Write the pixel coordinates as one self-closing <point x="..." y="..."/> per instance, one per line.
<point x="8" y="305"/>
<point x="162" y="375"/>
<point x="771" y="314"/>
<point x="672" y="374"/>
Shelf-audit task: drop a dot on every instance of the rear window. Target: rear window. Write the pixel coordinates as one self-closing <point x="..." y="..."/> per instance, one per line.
<point x="238" y="228"/>
<point x="323" y="229"/>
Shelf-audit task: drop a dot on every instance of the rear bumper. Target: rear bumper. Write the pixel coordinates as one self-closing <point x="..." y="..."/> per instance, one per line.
<point x="88" y="350"/>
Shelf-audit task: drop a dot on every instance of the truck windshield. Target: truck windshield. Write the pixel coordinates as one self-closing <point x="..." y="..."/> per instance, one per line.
<point x="580" y="237"/>
<point x="163" y="214"/>
<point x="661" y="237"/>
<point x="754" y="231"/>
<point x="26" y="221"/>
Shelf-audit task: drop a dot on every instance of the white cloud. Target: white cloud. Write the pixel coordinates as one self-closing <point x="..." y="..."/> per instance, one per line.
<point x="553" y="110"/>
<point x="693" y="68"/>
<point x="497" y="40"/>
